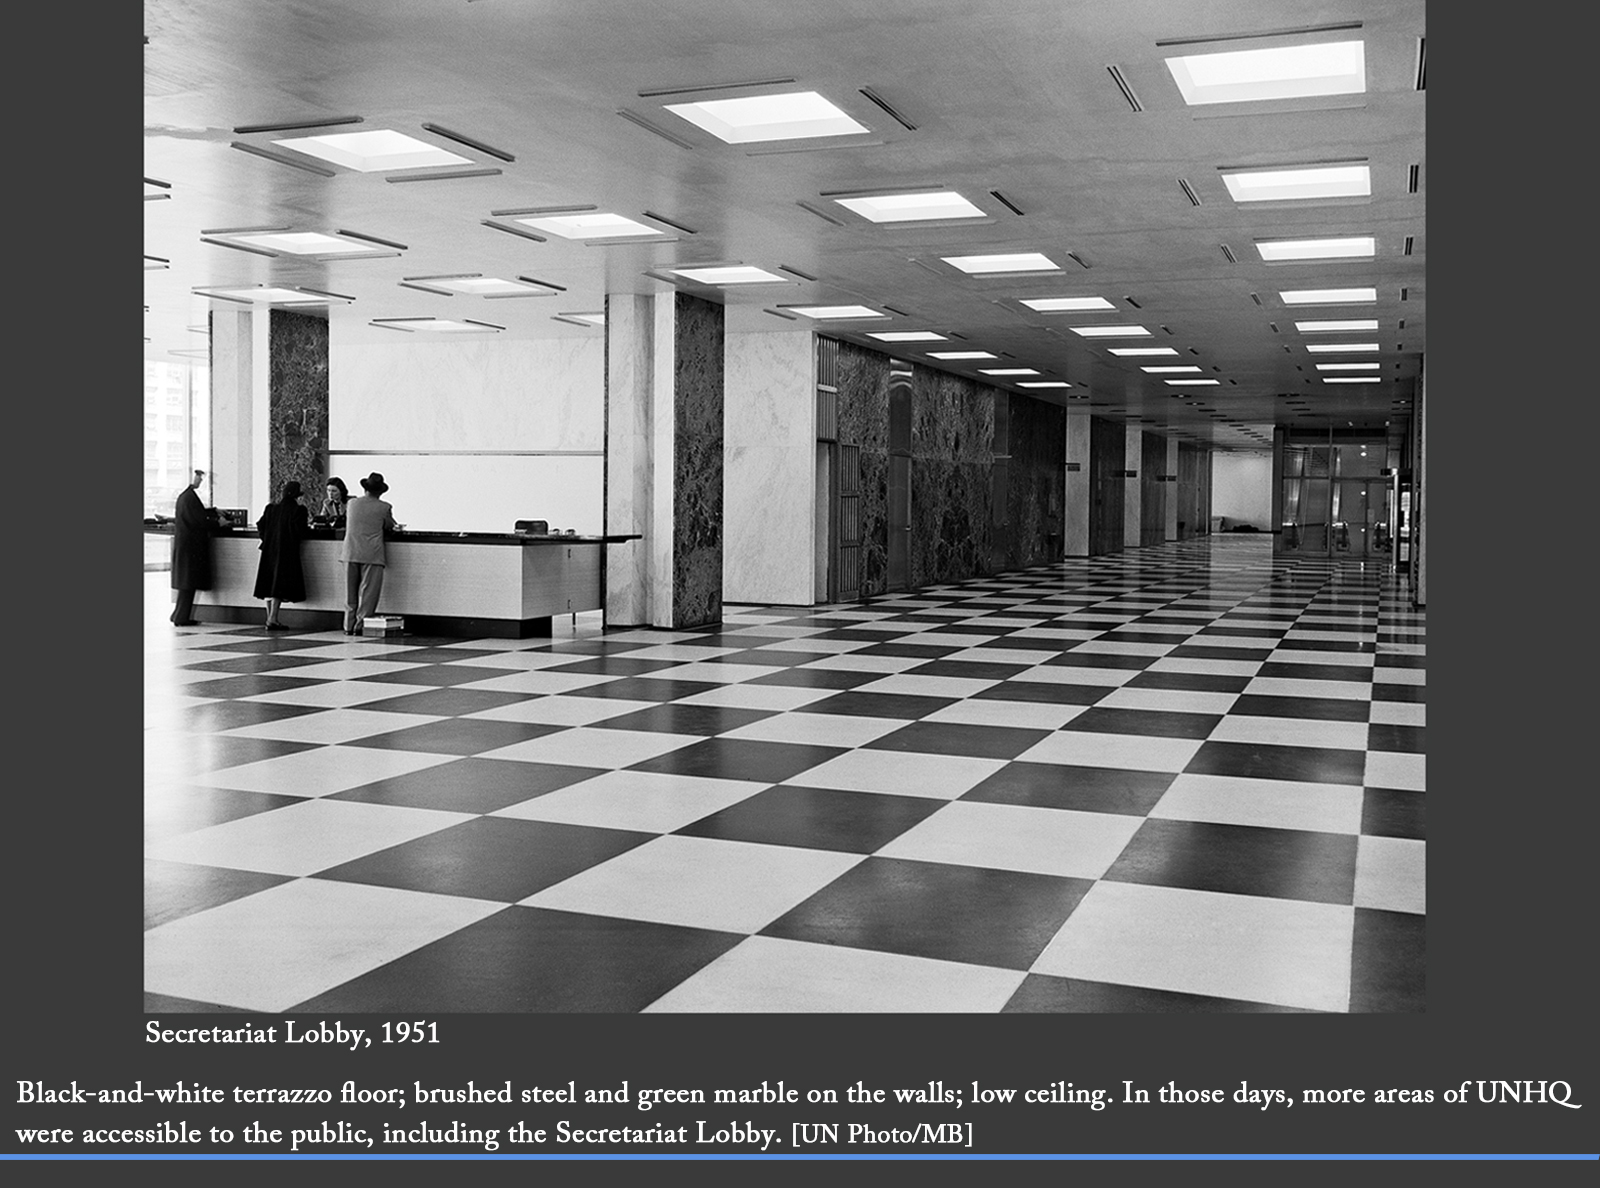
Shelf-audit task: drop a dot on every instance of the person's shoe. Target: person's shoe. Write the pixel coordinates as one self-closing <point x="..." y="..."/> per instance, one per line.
<point x="276" y="627"/>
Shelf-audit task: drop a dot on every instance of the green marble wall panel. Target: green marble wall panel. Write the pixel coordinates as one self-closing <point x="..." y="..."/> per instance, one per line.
<point x="297" y="401"/>
<point x="697" y="408"/>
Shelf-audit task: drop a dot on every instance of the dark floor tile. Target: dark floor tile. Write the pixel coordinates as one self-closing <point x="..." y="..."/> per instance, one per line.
<point x="818" y="678"/>
<point x="229" y="715"/>
<point x="1394" y="812"/>
<point x="186" y="809"/>
<point x="856" y="633"/>
<point x="656" y="689"/>
<point x="1212" y="652"/>
<point x="248" y="686"/>
<point x="471" y="785"/>
<point x="602" y="646"/>
<point x="734" y="639"/>
<point x="1240" y="860"/>
<point x="969" y="670"/>
<point x="1347" y="647"/>
<point x="168" y="1004"/>
<point x="1263" y="761"/>
<point x="1383" y="736"/>
<point x="775" y="657"/>
<point x="435" y="674"/>
<point x="1324" y="709"/>
<point x="959" y="738"/>
<point x="1063" y="786"/>
<point x="173" y="890"/>
<point x="740" y="759"/>
<point x="1045" y="994"/>
<point x="1028" y="643"/>
<point x="1045" y="692"/>
<point x="1134" y="635"/>
<point x="267" y="644"/>
<point x="1100" y="719"/>
<point x="1277" y="669"/>
<point x="907" y="706"/>
<point x="446" y="701"/>
<point x="909" y="651"/>
<point x="215" y="752"/>
<point x="249" y="665"/>
<point x="1382" y="691"/>
<point x="495" y="858"/>
<point x="1388" y="964"/>
<point x="1088" y="623"/>
<point x="930" y="909"/>
<point x="621" y="666"/>
<point x="1081" y="659"/>
<point x="816" y="819"/>
<point x="1222" y="627"/>
<point x="1402" y="660"/>
<point x="444" y="655"/>
<point x="677" y="718"/>
<point x="528" y="959"/>
<point x="998" y="630"/>
<point x="456" y="736"/>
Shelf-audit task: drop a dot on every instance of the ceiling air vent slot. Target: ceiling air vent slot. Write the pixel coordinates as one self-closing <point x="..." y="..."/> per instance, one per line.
<point x="461" y="138"/>
<point x="1127" y="91"/>
<point x="676" y="226"/>
<point x="820" y="213"/>
<point x="1005" y="202"/>
<point x="296" y="125"/>
<point x="1413" y="176"/>
<point x="1422" y="63"/>
<point x="1188" y="191"/>
<point x="792" y="271"/>
<point x="1410" y="243"/>
<point x="1079" y="259"/>
<point x="1256" y="298"/>
<point x="1132" y="302"/>
<point x="1227" y="254"/>
<point x="878" y="99"/>
<point x="1274" y="326"/>
<point x="661" y="132"/>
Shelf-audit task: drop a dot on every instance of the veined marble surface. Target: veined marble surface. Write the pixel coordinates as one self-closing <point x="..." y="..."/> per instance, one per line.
<point x="1078" y="494"/>
<point x="298" y="400"/>
<point x="769" y="468"/>
<point x="1133" y="489"/>
<point x="697" y="503"/>
<point x="484" y="394"/>
<point x="629" y="337"/>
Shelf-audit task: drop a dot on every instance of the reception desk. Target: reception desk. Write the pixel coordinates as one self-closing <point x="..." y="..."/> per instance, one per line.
<point x="441" y="583"/>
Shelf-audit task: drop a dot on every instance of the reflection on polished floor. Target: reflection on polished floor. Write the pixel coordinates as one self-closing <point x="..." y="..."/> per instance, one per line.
<point x="1183" y="778"/>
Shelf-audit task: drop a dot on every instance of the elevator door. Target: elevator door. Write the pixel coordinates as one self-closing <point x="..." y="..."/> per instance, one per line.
<point x="848" y="528"/>
<point x="898" y="513"/>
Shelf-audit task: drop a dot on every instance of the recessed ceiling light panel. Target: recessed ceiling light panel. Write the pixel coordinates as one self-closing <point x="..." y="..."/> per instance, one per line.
<point x="591" y="225"/>
<point x="1352" y="379"/>
<point x="1329" y="296"/>
<point x="1140" y="352"/>
<point x="1171" y="370"/>
<point x="728" y="274"/>
<point x="1343" y="247"/>
<point x="437" y="325"/>
<point x="1341" y="348"/>
<point x="796" y="115"/>
<point x="305" y="243"/>
<point x="373" y="151"/>
<point x="1044" y="384"/>
<point x="1194" y="383"/>
<point x="1007" y="371"/>
<point x="907" y="336"/>
<point x="274" y="295"/>
<point x="834" y="312"/>
<point x="1348" y="366"/>
<point x="921" y="206"/>
<point x="962" y="355"/>
<point x="1284" y="72"/>
<point x="1066" y="304"/>
<point x="1111" y="331"/>
<point x="1301" y="183"/>
<point x="1002" y="264"/>
<point x="1337" y="326"/>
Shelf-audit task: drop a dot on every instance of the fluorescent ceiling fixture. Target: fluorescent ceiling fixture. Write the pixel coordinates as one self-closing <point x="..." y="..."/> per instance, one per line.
<point x="1111" y="331"/>
<point x="1191" y="383"/>
<point x="441" y="325"/>
<point x="794" y="116"/>
<point x="1346" y="247"/>
<point x="1348" y="366"/>
<point x="835" y="311"/>
<point x="1007" y="371"/>
<point x="961" y="355"/>
<point x="1352" y="379"/>
<point x="1046" y="384"/>
<point x="907" y="336"/>
<point x="1135" y="352"/>
<point x="480" y="286"/>
<point x="1335" y="348"/>
<point x="1066" y="304"/>
<point x="1284" y="185"/>
<point x="268" y="295"/>
<point x="588" y="318"/>
<point x="728" y="274"/>
<point x="370" y="152"/>
<point x="1337" y="326"/>
<point x="306" y="243"/>
<point x="1169" y="370"/>
<point x="1328" y="296"/>
<point x="1287" y="72"/>
<point x="1014" y="262"/>
<point x="905" y="208"/>
<point x="590" y="226"/>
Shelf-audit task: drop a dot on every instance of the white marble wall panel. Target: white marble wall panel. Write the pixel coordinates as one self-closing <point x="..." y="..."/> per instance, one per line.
<point x="467" y="394"/>
<point x="1241" y="488"/>
<point x="1132" y="503"/>
<point x="769" y="473"/>
<point x="483" y="492"/>
<point x="663" y="388"/>
<point x="1079" y="496"/>
<point x="239" y="410"/>
<point x="629" y="330"/>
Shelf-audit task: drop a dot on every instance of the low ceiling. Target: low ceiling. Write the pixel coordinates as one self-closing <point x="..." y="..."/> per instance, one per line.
<point x="1016" y="105"/>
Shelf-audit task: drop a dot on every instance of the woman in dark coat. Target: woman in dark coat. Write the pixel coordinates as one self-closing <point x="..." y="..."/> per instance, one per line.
<point x="280" y="577"/>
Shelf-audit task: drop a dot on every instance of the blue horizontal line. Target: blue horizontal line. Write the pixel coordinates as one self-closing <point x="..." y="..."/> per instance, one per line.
<point x="754" y="1156"/>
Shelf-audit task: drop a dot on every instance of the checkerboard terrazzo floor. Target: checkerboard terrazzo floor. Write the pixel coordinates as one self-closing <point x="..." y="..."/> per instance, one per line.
<point x="1183" y="778"/>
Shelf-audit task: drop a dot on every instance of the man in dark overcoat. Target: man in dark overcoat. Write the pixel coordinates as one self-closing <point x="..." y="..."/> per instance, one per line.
<point x="191" y="551"/>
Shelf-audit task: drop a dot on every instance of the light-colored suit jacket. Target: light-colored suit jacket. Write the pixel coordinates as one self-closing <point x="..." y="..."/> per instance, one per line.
<point x="367" y="518"/>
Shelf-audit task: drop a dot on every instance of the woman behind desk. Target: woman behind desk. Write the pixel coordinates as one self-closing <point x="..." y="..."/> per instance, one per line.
<point x="333" y="507"/>
<point x="280" y="577"/>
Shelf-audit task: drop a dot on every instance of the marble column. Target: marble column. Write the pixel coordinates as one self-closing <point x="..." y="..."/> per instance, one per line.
<point x="1079" y="495"/>
<point x="297" y="445"/>
<point x="1132" y="505"/>
<point x="1419" y="501"/>
<point x="664" y="448"/>
<point x="1171" y="482"/>
<point x="240" y="408"/>
<point x="769" y="479"/>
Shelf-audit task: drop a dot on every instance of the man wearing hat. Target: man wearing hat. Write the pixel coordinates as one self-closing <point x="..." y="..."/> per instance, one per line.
<point x="367" y="520"/>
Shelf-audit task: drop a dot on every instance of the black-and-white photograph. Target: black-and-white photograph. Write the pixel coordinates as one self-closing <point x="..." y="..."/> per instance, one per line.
<point x="910" y="507"/>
